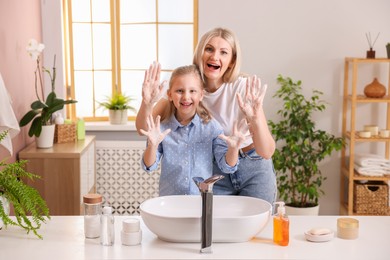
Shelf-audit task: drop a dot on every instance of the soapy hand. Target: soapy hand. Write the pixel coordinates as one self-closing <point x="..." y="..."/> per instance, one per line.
<point x="237" y="137"/>
<point x="254" y="96"/>
<point x="152" y="90"/>
<point x="153" y="133"/>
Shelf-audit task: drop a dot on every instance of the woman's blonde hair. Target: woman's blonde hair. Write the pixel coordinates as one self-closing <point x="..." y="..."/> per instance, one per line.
<point x="203" y="113"/>
<point x="234" y="70"/>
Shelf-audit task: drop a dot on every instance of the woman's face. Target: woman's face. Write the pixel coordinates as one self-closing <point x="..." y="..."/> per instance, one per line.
<point x="217" y="58"/>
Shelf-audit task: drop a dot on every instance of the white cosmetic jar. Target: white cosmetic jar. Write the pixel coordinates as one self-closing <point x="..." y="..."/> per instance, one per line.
<point x="131" y="239"/>
<point x="131" y="233"/>
<point x="384" y="133"/>
<point x="365" y="134"/>
<point x="372" y="128"/>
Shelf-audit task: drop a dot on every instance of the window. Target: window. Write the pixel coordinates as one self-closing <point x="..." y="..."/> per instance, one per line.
<point x="110" y="44"/>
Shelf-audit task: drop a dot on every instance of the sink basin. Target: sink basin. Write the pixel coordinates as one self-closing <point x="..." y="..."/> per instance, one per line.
<point x="178" y="218"/>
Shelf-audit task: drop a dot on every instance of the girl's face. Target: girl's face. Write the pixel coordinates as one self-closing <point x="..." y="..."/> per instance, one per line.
<point x="185" y="92"/>
<point x="217" y="58"/>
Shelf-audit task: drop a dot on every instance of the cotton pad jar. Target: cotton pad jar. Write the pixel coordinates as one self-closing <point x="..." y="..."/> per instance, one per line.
<point x="131" y="233"/>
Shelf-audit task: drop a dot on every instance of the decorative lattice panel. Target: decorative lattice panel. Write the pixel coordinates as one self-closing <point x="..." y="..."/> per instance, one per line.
<point x="120" y="177"/>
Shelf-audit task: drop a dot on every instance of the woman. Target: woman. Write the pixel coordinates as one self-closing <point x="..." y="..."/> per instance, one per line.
<point x="229" y="98"/>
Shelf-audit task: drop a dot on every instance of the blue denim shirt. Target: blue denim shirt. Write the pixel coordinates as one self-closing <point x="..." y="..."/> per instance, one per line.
<point x="187" y="152"/>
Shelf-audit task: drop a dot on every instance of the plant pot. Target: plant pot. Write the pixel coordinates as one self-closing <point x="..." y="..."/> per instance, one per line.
<point x="118" y="117"/>
<point x="309" y="211"/>
<point x="5" y="204"/>
<point x="46" y="138"/>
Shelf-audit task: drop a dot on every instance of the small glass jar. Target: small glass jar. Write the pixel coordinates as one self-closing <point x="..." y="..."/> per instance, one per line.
<point x="92" y="212"/>
<point x="347" y="228"/>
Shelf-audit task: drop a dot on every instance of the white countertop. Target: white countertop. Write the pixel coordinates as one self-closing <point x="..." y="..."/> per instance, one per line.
<point x="63" y="238"/>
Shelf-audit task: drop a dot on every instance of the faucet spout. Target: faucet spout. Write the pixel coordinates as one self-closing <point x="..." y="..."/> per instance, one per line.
<point x="206" y="190"/>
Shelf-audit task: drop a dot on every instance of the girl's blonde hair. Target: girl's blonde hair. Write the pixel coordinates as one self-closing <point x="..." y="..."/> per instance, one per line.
<point x="234" y="70"/>
<point x="203" y="113"/>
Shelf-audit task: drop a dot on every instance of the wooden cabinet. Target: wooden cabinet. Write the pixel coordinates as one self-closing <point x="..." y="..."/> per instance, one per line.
<point x="67" y="172"/>
<point x="352" y="100"/>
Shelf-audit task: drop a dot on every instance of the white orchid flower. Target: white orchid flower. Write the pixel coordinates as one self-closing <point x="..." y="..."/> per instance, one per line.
<point x="34" y="48"/>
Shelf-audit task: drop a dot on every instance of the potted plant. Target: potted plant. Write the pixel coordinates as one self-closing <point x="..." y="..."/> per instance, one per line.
<point x="388" y="50"/>
<point x="29" y="207"/>
<point x="300" y="147"/>
<point x="42" y="109"/>
<point x="117" y="104"/>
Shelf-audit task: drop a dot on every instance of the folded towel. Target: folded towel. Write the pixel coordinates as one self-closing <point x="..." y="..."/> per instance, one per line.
<point x="367" y="159"/>
<point x="7" y="117"/>
<point x="372" y="170"/>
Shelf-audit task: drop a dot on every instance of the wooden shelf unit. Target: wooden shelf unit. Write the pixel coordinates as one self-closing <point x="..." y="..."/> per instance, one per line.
<point x="67" y="173"/>
<point x="351" y="100"/>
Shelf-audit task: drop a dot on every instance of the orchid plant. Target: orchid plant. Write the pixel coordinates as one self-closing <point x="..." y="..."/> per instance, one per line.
<point x="42" y="109"/>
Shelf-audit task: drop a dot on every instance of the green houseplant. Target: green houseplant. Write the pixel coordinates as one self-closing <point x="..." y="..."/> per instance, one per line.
<point x="26" y="200"/>
<point x="300" y="147"/>
<point x="42" y="109"/>
<point x="117" y="104"/>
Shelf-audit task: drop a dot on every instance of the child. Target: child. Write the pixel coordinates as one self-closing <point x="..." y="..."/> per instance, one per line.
<point x="189" y="139"/>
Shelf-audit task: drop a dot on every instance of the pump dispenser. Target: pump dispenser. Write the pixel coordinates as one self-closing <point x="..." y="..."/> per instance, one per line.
<point x="281" y="225"/>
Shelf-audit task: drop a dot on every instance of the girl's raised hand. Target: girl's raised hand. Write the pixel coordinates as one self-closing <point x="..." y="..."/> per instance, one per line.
<point x="238" y="135"/>
<point x="254" y="96"/>
<point x="152" y="90"/>
<point x="153" y="133"/>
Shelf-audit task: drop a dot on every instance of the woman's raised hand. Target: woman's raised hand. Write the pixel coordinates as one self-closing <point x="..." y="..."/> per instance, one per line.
<point x="152" y="90"/>
<point x="254" y="96"/>
<point x="153" y="133"/>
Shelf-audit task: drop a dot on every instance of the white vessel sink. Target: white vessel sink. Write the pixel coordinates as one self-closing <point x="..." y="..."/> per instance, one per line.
<point x="178" y="218"/>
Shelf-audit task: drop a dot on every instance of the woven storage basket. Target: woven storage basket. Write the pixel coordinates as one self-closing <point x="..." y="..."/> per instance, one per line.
<point x="371" y="198"/>
<point x="65" y="133"/>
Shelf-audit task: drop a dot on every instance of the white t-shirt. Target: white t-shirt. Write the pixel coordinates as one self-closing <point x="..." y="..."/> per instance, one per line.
<point x="223" y="106"/>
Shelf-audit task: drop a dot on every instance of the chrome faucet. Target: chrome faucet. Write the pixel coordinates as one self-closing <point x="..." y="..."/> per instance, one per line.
<point x="206" y="190"/>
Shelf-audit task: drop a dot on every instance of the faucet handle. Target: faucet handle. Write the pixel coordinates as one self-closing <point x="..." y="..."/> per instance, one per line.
<point x="207" y="185"/>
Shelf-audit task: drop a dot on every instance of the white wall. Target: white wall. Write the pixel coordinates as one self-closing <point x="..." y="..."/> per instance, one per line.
<point x="306" y="40"/>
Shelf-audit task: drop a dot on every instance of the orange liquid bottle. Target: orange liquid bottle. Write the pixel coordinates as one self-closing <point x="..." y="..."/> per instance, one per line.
<point x="281" y="226"/>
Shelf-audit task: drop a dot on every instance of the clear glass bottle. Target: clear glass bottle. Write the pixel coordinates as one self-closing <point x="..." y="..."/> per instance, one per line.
<point x="92" y="212"/>
<point x="107" y="234"/>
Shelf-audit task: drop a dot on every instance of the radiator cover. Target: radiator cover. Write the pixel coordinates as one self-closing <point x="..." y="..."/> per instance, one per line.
<point x="120" y="177"/>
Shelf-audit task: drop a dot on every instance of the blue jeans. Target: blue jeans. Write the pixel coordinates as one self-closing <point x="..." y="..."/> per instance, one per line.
<point x="255" y="177"/>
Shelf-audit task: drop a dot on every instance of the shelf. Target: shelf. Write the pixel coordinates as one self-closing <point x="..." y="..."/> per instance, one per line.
<point x="364" y="99"/>
<point x="359" y="177"/>
<point x="357" y="138"/>
<point x="350" y="119"/>
<point x="365" y="60"/>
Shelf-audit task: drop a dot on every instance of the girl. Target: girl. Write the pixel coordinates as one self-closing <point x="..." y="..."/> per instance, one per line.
<point x="189" y="139"/>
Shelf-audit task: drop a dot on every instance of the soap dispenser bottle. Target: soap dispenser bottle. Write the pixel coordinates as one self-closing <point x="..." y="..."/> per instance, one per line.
<point x="281" y="225"/>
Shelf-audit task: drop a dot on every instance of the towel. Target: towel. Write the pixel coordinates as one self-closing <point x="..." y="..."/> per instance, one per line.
<point x="368" y="159"/>
<point x="7" y="117"/>
<point x="372" y="170"/>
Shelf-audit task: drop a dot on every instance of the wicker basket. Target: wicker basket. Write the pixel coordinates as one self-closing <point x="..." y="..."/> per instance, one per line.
<point x="371" y="198"/>
<point x="65" y="133"/>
